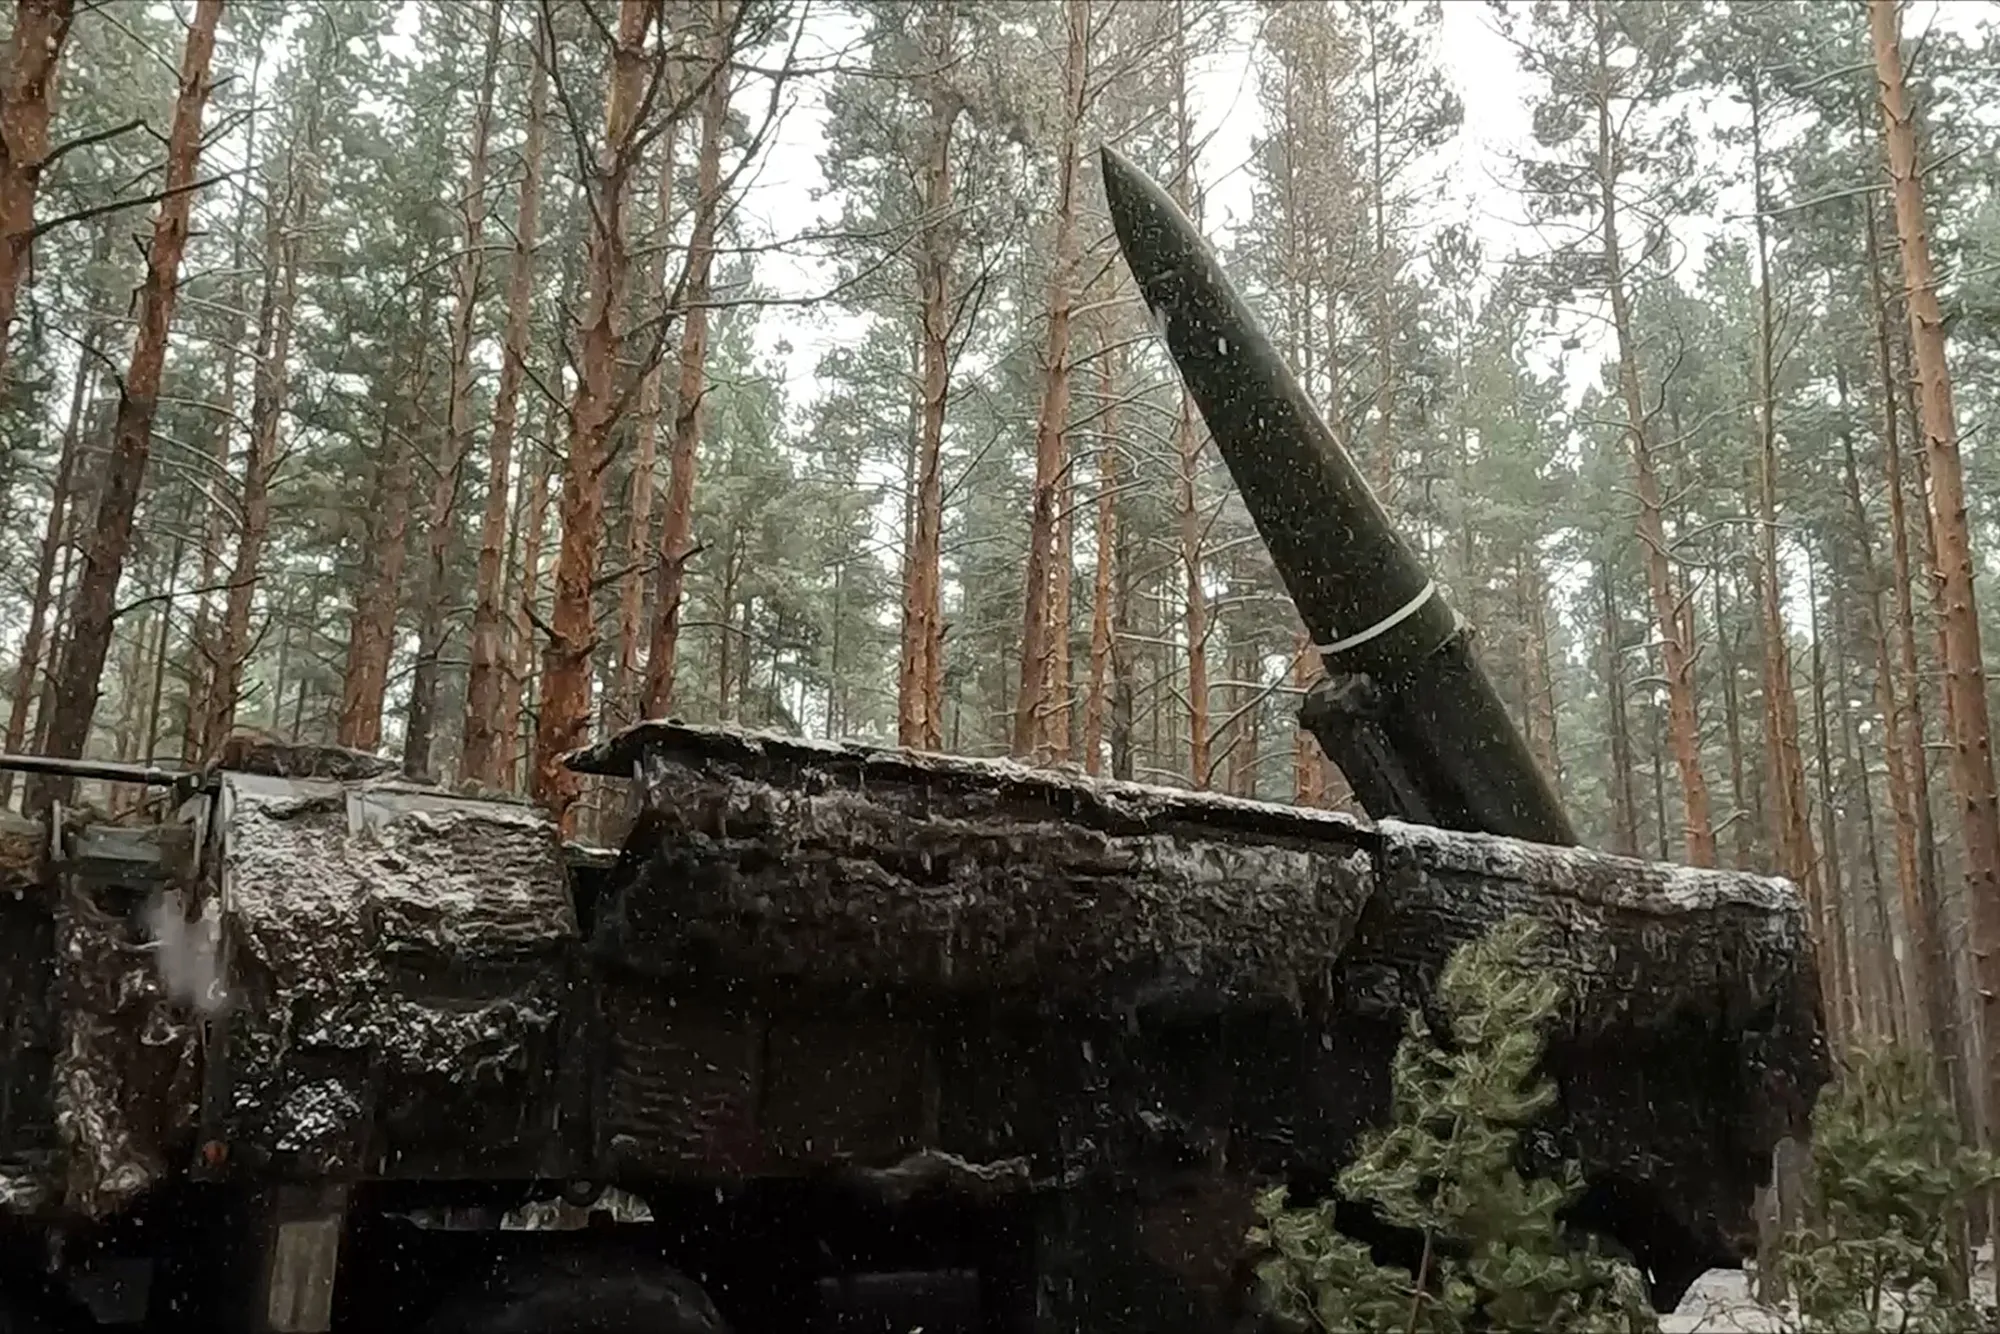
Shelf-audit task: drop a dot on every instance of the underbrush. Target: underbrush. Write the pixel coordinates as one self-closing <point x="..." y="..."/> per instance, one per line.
<point x="1890" y="1187"/>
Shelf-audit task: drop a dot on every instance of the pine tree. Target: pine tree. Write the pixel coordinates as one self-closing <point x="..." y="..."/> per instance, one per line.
<point x="1495" y="1254"/>
<point x="1894" y="1178"/>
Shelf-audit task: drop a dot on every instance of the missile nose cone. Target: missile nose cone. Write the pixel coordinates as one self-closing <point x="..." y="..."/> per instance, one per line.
<point x="1123" y="199"/>
<point x="1121" y="178"/>
<point x="1153" y="233"/>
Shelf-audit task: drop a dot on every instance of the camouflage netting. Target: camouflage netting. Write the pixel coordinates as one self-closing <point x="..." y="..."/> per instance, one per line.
<point x="388" y="944"/>
<point x="1692" y="1042"/>
<point x="856" y="864"/>
<point x="126" y="1067"/>
<point x="981" y="879"/>
<point x="26" y="947"/>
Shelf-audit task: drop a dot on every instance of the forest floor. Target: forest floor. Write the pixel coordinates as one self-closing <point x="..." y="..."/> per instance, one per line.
<point x="1720" y="1303"/>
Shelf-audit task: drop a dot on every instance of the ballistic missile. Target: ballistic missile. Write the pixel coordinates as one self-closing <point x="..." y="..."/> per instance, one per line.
<point x="1405" y="709"/>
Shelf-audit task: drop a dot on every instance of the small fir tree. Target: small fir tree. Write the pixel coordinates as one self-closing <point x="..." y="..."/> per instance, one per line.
<point x="1893" y="1181"/>
<point x="1494" y="1255"/>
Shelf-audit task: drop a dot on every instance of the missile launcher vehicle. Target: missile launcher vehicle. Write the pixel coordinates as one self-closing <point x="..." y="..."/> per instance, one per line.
<point x="842" y="1037"/>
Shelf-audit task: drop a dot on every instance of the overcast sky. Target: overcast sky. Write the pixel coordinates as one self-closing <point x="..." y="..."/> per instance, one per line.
<point x="1480" y="63"/>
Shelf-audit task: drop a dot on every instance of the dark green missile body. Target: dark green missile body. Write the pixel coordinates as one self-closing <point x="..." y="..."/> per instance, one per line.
<point x="1405" y="709"/>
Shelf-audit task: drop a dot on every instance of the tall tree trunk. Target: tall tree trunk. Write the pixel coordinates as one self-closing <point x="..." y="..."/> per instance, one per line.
<point x="1732" y="728"/>
<point x="1187" y="454"/>
<point x="1923" y="908"/>
<point x="1038" y="697"/>
<point x="1964" y="671"/>
<point x="1385" y="336"/>
<point x="199" y="667"/>
<point x="372" y="630"/>
<point x="91" y="616"/>
<point x="1195" y="606"/>
<point x="1624" y="803"/>
<point x="1121" y="729"/>
<point x="1061" y="701"/>
<point x="1781" y="741"/>
<point x="441" y="524"/>
<point x="563" y="721"/>
<point x="1849" y="930"/>
<point x="489" y="726"/>
<point x="629" y="690"/>
<point x="267" y="406"/>
<point x="1953" y="910"/>
<point x="1918" y="921"/>
<point x="149" y="732"/>
<point x="920" y="670"/>
<point x="28" y="673"/>
<point x="85" y="498"/>
<point x="1536" y="673"/>
<point x="677" y="526"/>
<point x="287" y="614"/>
<point x="535" y="527"/>
<point x="1892" y="1019"/>
<point x="1103" y="626"/>
<point x="26" y="87"/>
<point x="1663" y="849"/>
<point x="1903" y="825"/>
<point x="1671" y="608"/>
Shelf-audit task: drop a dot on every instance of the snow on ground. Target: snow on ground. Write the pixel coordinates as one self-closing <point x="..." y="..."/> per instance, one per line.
<point x="1720" y="1303"/>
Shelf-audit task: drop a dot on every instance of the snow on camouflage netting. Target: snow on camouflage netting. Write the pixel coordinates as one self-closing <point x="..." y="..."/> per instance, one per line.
<point x="330" y="890"/>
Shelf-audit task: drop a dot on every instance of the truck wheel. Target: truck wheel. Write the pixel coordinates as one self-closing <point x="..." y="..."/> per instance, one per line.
<point x="581" y="1294"/>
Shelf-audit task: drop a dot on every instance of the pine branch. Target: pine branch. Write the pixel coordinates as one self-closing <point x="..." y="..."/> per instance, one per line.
<point x="42" y="229"/>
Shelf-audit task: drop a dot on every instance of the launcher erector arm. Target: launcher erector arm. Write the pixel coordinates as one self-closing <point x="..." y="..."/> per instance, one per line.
<point x="1405" y="710"/>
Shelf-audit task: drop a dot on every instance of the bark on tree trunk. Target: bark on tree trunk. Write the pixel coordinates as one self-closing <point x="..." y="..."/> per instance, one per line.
<point x="26" y="87"/>
<point x="629" y="690"/>
<point x="1037" y="697"/>
<point x="372" y="630"/>
<point x="1953" y="910"/>
<point x="1843" y="925"/>
<point x="441" y="528"/>
<point x="199" y="668"/>
<point x="282" y="241"/>
<point x="677" y="525"/>
<point x="489" y="726"/>
<point x="1541" y="710"/>
<point x="1196" y="596"/>
<point x="91" y="617"/>
<point x="1964" y="672"/>
<point x="1727" y="642"/>
<point x="28" y="672"/>
<point x="1893" y="1020"/>
<point x="520" y="682"/>
<point x="1057" y="708"/>
<point x="72" y="541"/>
<point x="563" y="721"/>
<point x="1888" y="704"/>
<point x="1103" y="626"/>
<point x="1385" y="335"/>
<point x="149" y="731"/>
<point x="1671" y="608"/>
<point x="1624" y="805"/>
<point x="1187" y="441"/>
<point x="920" y="671"/>
<point x="1788" y="779"/>
<point x="1923" y="908"/>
